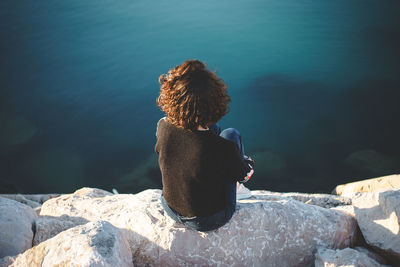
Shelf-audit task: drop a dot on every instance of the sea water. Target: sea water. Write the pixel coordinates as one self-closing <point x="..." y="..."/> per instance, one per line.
<point x="314" y="84"/>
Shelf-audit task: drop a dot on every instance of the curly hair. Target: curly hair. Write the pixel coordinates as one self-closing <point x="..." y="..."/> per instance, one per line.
<point x="191" y="95"/>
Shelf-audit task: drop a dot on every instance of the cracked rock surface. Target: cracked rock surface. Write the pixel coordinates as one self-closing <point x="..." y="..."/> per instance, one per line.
<point x="16" y="223"/>
<point x="378" y="216"/>
<point x="262" y="232"/>
<point x="94" y="244"/>
<point x="347" y="257"/>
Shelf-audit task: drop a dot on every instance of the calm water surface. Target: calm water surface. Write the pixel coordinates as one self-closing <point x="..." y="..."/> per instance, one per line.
<point x="315" y="88"/>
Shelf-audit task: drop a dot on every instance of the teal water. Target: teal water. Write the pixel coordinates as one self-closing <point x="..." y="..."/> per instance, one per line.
<point x="315" y="88"/>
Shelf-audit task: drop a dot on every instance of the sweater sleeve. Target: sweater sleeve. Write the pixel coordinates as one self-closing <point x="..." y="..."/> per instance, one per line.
<point x="156" y="148"/>
<point x="239" y="170"/>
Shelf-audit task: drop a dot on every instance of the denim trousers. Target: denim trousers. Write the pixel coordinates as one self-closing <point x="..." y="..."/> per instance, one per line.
<point x="214" y="221"/>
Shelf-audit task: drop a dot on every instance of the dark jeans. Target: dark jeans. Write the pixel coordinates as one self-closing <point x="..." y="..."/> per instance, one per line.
<point x="220" y="218"/>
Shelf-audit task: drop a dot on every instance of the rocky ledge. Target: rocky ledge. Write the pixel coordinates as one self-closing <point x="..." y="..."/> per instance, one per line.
<point x="93" y="227"/>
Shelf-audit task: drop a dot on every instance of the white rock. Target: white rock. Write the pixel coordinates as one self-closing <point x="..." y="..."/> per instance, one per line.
<point x="6" y="261"/>
<point x="322" y="200"/>
<point x="21" y="199"/>
<point x="94" y="244"/>
<point x="47" y="227"/>
<point x="38" y="209"/>
<point x="372" y="254"/>
<point x="378" y="216"/>
<point x="262" y="233"/>
<point x="346" y="258"/>
<point x="16" y="221"/>
<point x="348" y="209"/>
<point x="87" y="192"/>
<point x="38" y="199"/>
<point x="390" y="182"/>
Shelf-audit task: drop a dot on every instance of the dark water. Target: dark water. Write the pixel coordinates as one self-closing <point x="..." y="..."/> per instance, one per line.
<point x="315" y="88"/>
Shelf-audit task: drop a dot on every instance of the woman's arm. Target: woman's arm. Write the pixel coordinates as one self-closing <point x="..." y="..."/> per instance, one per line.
<point x="239" y="169"/>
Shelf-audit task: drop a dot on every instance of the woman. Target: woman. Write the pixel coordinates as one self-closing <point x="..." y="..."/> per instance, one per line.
<point x="200" y="165"/>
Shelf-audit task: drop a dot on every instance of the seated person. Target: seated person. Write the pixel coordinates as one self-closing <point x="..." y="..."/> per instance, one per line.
<point x="200" y="165"/>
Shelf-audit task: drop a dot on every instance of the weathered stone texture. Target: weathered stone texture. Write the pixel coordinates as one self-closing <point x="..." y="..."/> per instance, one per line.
<point x="347" y="209"/>
<point x="261" y="233"/>
<point x="16" y="221"/>
<point x="94" y="244"/>
<point x="322" y="200"/>
<point x="7" y="260"/>
<point x="344" y="258"/>
<point x="47" y="226"/>
<point x="32" y="200"/>
<point x="390" y="182"/>
<point x="378" y="216"/>
<point x="372" y="254"/>
<point x="21" y="199"/>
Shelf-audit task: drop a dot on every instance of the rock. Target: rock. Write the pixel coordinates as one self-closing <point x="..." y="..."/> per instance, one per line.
<point x="322" y="200"/>
<point x="47" y="227"/>
<point x="390" y="182"/>
<point x="372" y="255"/>
<point x="285" y="232"/>
<point x="87" y="192"/>
<point x="378" y="216"/>
<point x="348" y="209"/>
<point x="94" y="244"/>
<point x="21" y="199"/>
<point x="6" y="261"/>
<point x="346" y="257"/>
<point x="38" y="198"/>
<point x="38" y="209"/>
<point x="16" y="221"/>
<point x="34" y="201"/>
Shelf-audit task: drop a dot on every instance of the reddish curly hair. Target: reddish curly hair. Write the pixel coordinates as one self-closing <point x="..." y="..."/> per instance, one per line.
<point x="192" y="96"/>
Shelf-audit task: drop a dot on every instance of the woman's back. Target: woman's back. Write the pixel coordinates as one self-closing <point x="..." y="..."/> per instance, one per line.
<point x="195" y="167"/>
